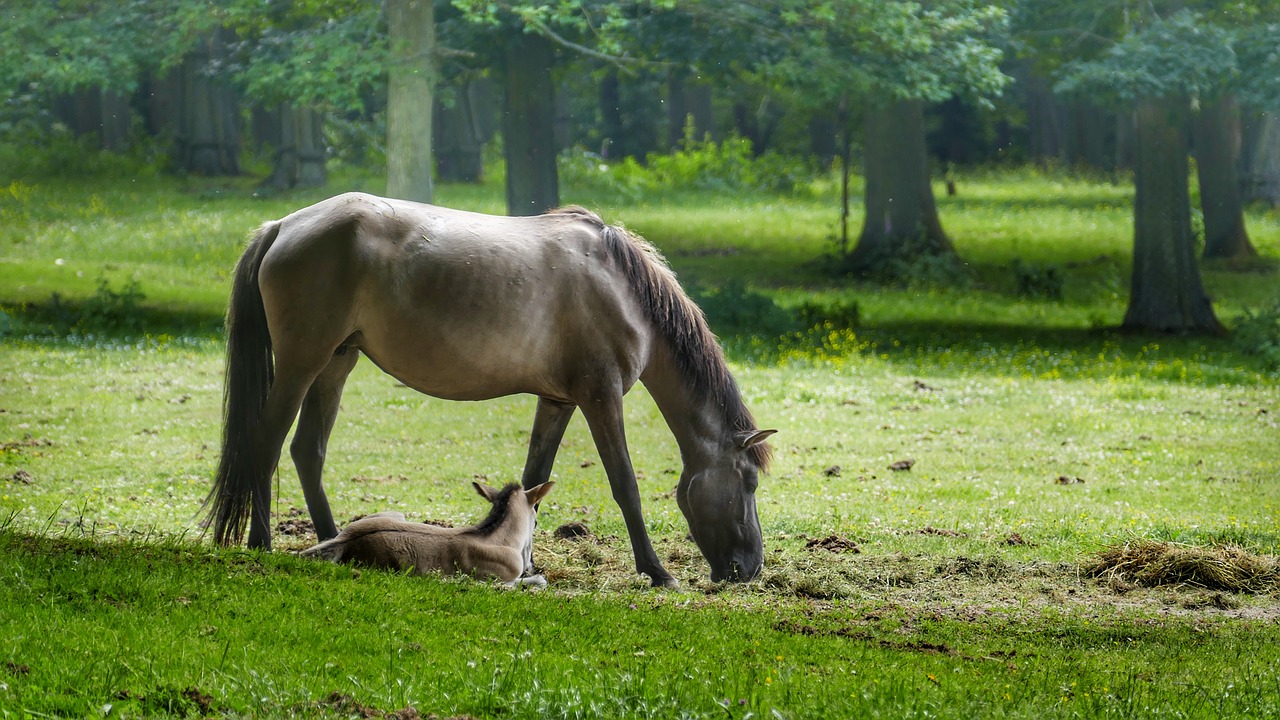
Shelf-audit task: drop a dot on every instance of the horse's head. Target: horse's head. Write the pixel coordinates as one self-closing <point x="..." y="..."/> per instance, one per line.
<point x="719" y="502"/>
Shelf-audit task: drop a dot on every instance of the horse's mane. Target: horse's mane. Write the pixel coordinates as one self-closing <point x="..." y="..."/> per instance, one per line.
<point x="696" y="351"/>
<point x="497" y="512"/>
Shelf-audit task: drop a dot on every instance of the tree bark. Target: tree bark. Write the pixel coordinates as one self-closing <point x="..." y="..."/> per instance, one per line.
<point x="410" y="88"/>
<point x="1261" y="159"/>
<point x="528" y="125"/>
<point x="297" y="138"/>
<point x="201" y="113"/>
<point x="1217" y="142"/>
<point x="1166" y="294"/>
<point x="460" y="135"/>
<point x="901" y="216"/>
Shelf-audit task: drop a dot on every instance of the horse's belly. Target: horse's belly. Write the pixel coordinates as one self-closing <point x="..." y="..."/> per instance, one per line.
<point x="462" y="369"/>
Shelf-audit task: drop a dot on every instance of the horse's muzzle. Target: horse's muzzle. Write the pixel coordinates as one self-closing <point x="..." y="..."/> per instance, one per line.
<point x="738" y="573"/>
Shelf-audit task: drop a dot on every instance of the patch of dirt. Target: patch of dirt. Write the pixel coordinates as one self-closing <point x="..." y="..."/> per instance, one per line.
<point x="902" y="465"/>
<point x="22" y="476"/>
<point x="1068" y="480"/>
<point x="572" y="531"/>
<point x="17" y="446"/>
<point x="833" y="471"/>
<point x="940" y="532"/>
<point x="295" y="527"/>
<point x="16" y="669"/>
<point x="833" y="543"/>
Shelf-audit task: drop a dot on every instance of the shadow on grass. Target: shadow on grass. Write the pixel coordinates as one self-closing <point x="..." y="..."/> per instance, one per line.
<point x="95" y="321"/>
<point x="756" y="331"/>
<point x="1014" y="351"/>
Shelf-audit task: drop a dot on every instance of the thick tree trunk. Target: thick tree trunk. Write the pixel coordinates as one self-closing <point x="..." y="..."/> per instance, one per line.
<point x="311" y="149"/>
<point x="297" y="137"/>
<point x="410" y="88"/>
<point x="528" y="126"/>
<point x="611" y="122"/>
<point x="901" y="216"/>
<point x="1260" y="159"/>
<point x="204" y="114"/>
<point x="1166" y="294"/>
<point x="1217" y="142"/>
<point x="677" y="108"/>
<point x="461" y="134"/>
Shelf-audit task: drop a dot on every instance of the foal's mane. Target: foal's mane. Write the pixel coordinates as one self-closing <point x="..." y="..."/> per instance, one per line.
<point x="497" y="512"/>
<point x="697" y="353"/>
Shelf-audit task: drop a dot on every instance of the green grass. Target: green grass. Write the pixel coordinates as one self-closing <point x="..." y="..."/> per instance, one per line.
<point x="966" y="598"/>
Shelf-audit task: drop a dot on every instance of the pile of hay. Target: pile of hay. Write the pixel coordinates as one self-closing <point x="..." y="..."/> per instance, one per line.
<point x="1150" y="563"/>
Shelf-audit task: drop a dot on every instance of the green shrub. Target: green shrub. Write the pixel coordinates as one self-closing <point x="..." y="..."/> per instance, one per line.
<point x="1038" y="281"/>
<point x="727" y="166"/>
<point x="106" y="312"/>
<point x="1258" y="333"/>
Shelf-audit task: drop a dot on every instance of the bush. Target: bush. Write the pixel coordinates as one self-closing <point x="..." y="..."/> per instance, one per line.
<point x="1038" y="281"/>
<point x="1258" y="333"/>
<point x="106" y="312"/>
<point x="727" y="166"/>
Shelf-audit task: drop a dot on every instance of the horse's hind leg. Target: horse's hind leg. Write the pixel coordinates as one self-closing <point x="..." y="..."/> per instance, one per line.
<point x="277" y="417"/>
<point x="311" y="441"/>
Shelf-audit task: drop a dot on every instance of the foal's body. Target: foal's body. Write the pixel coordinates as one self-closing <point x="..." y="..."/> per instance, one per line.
<point x="465" y="306"/>
<point x="499" y="547"/>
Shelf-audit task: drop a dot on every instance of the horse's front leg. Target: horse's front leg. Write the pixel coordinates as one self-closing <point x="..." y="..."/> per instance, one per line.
<point x="549" y="423"/>
<point x="604" y="418"/>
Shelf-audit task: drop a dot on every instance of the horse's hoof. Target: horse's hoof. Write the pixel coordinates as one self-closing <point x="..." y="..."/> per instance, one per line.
<point x="536" y="581"/>
<point x="668" y="582"/>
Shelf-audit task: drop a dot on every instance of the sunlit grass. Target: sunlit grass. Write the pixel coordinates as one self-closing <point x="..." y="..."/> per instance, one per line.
<point x="1037" y="437"/>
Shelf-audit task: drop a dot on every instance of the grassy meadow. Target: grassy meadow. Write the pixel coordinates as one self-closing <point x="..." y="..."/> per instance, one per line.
<point x="973" y="584"/>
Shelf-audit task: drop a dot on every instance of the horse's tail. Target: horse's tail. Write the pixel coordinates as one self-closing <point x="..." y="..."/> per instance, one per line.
<point x="249" y="373"/>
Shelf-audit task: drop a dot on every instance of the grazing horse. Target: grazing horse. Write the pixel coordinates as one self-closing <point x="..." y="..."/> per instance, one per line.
<point x="464" y="306"/>
<point x="501" y="546"/>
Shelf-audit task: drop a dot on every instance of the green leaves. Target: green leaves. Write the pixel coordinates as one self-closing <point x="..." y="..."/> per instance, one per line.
<point x="1181" y="55"/>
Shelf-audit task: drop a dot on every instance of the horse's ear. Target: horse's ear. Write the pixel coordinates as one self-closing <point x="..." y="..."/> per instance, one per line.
<point x="535" y="494"/>
<point x="753" y="437"/>
<point x="485" y="491"/>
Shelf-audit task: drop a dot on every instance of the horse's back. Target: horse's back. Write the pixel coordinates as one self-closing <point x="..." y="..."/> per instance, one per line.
<point x="456" y="304"/>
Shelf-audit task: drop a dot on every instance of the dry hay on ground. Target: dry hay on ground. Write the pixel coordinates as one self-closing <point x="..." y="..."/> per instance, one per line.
<point x="1150" y="563"/>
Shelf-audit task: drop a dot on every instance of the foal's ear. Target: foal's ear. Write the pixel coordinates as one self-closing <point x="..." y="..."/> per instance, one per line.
<point x="753" y="437"/>
<point x="485" y="491"/>
<point x="535" y="494"/>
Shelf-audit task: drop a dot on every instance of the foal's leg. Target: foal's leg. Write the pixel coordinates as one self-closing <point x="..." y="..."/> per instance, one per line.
<point x="604" y="417"/>
<point x="311" y="440"/>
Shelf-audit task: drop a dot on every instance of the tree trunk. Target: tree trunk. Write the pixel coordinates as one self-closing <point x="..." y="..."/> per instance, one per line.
<point x="677" y="108"/>
<point x="1261" y="159"/>
<point x="206" y="126"/>
<point x="460" y="135"/>
<point x="297" y="137"/>
<point x="1217" y="142"/>
<point x="611" y="123"/>
<point x="698" y="97"/>
<point x="278" y="128"/>
<point x="901" y="216"/>
<point x="410" y="88"/>
<point x="1166" y="294"/>
<point x="311" y="149"/>
<point x="528" y="126"/>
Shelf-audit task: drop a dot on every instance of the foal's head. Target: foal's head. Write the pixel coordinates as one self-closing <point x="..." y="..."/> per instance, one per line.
<point x="514" y="516"/>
